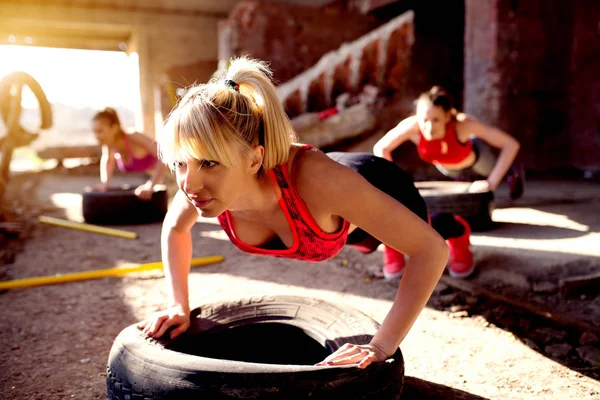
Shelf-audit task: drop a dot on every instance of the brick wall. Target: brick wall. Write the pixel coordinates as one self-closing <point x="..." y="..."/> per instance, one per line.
<point x="292" y="38"/>
<point x="380" y="58"/>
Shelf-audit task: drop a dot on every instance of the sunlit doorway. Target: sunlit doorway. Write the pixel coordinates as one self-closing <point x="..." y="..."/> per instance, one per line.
<point x="78" y="83"/>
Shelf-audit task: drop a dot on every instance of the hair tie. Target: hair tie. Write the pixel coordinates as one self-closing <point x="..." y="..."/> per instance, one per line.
<point x="235" y="86"/>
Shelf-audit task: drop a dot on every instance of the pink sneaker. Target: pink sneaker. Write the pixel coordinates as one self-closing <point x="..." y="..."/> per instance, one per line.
<point x="393" y="264"/>
<point x="461" y="264"/>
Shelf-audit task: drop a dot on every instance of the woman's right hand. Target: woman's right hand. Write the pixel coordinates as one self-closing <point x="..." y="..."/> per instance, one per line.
<point x="176" y="318"/>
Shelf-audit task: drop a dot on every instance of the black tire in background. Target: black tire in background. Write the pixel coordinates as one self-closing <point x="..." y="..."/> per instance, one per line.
<point x="120" y="206"/>
<point x="453" y="197"/>
<point x="257" y="348"/>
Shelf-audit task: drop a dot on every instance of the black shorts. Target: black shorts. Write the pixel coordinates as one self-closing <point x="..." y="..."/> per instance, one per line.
<point x="392" y="180"/>
<point x="387" y="177"/>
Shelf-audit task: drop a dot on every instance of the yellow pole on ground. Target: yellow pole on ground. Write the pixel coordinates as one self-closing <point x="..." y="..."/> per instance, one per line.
<point x="87" y="227"/>
<point x="99" y="273"/>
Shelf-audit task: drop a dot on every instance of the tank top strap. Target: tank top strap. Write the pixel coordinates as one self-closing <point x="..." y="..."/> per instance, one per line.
<point x="127" y="145"/>
<point x="281" y="174"/>
<point x="311" y="243"/>
<point x="454" y="131"/>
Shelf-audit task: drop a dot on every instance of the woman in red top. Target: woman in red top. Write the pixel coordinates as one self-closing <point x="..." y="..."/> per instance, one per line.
<point x="454" y="141"/>
<point x="231" y="146"/>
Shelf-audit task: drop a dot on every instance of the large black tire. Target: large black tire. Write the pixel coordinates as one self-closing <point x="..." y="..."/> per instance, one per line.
<point x="120" y="206"/>
<point x="23" y="79"/>
<point x="11" y="88"/>
<point x="453" y="197"/>
<point x="258" y="348"/>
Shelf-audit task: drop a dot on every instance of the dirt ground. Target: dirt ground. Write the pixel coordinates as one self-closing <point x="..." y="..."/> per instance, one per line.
<point x="54" y="340"/>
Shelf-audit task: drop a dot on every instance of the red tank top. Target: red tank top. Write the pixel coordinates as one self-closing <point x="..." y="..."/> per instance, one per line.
<point x="311" y="243"/>
<point x="447" y="150"/>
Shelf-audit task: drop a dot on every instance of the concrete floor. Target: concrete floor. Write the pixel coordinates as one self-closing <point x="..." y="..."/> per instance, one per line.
<point x="552" y="232"/>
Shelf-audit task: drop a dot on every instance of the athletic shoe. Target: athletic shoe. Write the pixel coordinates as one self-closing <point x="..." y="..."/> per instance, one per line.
<point x="393" y="264"/>
<point x="461" y="263"/>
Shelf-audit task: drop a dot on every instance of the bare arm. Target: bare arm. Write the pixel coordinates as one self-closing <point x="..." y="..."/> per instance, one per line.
<point x="350" y="196"/>
<point x="509" y="147"/>
<point x="404" y="131"/>
<point x="176" y="247"/>
<point x="107" y="165"/>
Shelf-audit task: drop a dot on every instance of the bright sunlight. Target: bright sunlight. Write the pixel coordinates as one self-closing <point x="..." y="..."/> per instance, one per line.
<point x="77" y="78"/>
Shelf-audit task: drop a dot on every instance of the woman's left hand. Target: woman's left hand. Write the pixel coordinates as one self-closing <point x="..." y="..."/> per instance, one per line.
<point x="144" y="192"/>
<point x="361" y="354"/>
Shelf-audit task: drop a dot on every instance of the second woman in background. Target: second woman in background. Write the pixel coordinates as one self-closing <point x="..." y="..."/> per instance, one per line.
<point x="454" y="142"/>
<point x="132" y="152"/>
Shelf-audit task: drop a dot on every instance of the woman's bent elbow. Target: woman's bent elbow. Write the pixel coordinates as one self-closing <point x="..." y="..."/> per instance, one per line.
<point x="382" y="152"/>
<point x="517" y="146"/>
<point x="442" y="252"/>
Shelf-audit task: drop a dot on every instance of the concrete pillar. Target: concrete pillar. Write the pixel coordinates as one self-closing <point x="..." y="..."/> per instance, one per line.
<point x="225" y="31"/>
<point x="585" y="86"/>
<point x="518" y="73"/>
<point x="147" y="81"/>
<point x="482" y="94"/>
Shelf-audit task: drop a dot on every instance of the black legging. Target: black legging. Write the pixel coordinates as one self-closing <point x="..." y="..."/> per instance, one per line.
<point x="392" y="180"/>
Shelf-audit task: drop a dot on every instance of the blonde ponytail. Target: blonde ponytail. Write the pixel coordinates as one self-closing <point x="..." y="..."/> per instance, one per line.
<point x="254" y="78"/>
<point x="241" y="108"/>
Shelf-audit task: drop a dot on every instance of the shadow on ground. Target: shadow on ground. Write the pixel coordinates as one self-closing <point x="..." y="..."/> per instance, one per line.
<point x="572" y="345"/>
<point x="417" y="389"/>
<point x="517" y="230"/>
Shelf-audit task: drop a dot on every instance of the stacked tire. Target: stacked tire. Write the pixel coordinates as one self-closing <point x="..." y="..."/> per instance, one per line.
<point x="454" y="197"/>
